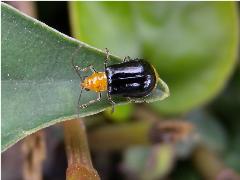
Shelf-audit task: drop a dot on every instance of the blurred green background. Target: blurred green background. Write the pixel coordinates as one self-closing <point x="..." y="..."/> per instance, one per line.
<point x="194" y="46"/>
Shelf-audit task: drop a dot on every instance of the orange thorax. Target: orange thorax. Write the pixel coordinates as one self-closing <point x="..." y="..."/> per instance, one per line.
<point x="96" y="82"/>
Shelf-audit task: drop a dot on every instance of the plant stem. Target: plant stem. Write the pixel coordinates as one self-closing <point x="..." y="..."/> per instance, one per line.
<point x="28" y="7"/>
<point x="211" y="166"/>
<point x="34" y="152"/>
<point x="79" y="160"/>
<point x="121" y="136"/>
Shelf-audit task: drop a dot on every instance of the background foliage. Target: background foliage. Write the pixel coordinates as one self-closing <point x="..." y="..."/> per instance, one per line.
<point x="192" y="44"/>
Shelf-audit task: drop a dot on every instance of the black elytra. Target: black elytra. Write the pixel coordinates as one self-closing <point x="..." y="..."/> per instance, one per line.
<point x="134" y="78"/>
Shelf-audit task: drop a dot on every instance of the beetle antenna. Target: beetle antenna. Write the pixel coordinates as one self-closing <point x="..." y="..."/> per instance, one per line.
<point x="75" y="67"/>
<point x="79" y="100"/>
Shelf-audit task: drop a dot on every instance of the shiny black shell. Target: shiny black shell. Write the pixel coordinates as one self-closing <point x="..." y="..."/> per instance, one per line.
<point x="134" y="78"/>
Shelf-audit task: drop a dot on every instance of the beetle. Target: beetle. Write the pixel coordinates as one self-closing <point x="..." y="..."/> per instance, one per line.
<point x="132" y="78"/>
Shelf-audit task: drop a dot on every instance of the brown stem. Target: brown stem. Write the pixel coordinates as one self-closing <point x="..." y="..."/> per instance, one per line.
<point x="79" y="160"/>
<point x="28" y="7"/>
<point x="34" y="152"/>
<point x="211" y="166"/>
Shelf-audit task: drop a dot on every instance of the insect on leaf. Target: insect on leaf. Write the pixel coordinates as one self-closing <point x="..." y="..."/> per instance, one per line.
<point x="39" y="86"/>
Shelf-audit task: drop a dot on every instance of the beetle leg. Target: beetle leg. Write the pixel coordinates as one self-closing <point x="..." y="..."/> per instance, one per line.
<point x="129" y="99"/>
<point x="86" y="68"/>
<point x="111" y="101"/>
<point x="90" y="102"/>
<point x="107" y="58"/>
<point x="79" y="98"/>
<point x="136" y="100"/>
<point x="93" y="69"/>
<point x="127" y="58"/>
<point x="78" y="70"/>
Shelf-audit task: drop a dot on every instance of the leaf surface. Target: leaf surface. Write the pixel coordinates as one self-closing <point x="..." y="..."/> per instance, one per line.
<point x="39" y="86"/>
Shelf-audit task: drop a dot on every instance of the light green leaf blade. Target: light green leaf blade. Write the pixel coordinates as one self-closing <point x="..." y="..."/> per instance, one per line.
<point x="39" y="86"/>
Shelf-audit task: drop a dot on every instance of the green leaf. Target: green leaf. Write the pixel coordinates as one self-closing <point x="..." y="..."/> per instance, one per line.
<point x="121" y="113"/>
<point x="192" y="44"/>
<point x="152" y="162"/>
<point x="39" y="86"/>
<point x="105" y="23"/>
<point x="209" y="129"/>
